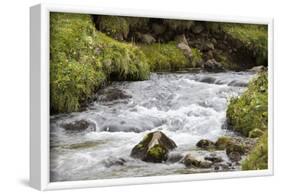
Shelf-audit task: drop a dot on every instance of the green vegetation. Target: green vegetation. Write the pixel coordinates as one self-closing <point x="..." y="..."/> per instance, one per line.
<point x="116" y="27"/>
<point x="253" y="37"/>
<point x="248" y="114"/>
<point x="222" y="142"/>
<point x="250" y="111"/>
<point x="83" y="59"/>
<point x="258" y="158"/>
<point x="157" y="152"/>
<point x="168" y="57"/>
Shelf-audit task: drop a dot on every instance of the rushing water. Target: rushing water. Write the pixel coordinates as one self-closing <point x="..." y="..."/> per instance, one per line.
<point x="185" y="106"/>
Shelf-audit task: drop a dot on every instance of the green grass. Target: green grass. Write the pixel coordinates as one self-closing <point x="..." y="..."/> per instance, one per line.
<point x="253" y="37"/>
<point x="168" y="57"/>
<point x="116" y="27"/>
<point x="83" y="59"/>
<point x="248" y="115"/>
<point x="258" y="158"/>
<point x="250" y="111"/>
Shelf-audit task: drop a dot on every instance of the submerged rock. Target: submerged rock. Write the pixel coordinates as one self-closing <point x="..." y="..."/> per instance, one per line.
<point x="205" y="144"/>
<point x="114" y="162"/>
<point x="154" y="147"/>
<point x="112" y="94"/>
<point x="174" y="157"/>
<point x="76" y="125"/>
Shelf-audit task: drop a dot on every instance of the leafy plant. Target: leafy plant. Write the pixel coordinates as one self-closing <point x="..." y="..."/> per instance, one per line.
<point x="250" y="111"/>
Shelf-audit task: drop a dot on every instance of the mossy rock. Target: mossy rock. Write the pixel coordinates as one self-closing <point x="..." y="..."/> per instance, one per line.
<point x="222" y="142"/>
<point x="256" y="133"/>
<point x="205" y="144"/>
<point x="191" y="161"/>
<point x="235" y="148"/>
<point x="157" y="154"/>
<point x="154" y="147"/>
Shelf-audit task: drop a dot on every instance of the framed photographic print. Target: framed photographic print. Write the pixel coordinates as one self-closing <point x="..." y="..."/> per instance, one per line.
<point x="134" y="97"/>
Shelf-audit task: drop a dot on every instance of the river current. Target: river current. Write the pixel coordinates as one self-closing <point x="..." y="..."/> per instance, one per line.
<point x="187" y="107"/>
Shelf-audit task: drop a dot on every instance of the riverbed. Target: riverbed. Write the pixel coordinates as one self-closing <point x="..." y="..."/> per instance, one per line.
<point x="187" y="107"/>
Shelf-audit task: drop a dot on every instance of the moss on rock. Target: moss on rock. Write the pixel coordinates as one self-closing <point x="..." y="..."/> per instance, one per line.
<point x="222" y="142"/>
<point x="157" y="153"/>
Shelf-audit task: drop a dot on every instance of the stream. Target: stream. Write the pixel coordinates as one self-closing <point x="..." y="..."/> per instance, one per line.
<point x="187" y="107"/>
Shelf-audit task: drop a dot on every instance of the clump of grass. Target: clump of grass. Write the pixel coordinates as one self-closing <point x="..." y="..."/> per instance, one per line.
<point x="253" y="37"/>
<point x="168" y="57"/>
<point x="250" y="111"/>
<point x="114" y="26"/>
<point x="258" y="158"/>
<point x="82" y="59"/>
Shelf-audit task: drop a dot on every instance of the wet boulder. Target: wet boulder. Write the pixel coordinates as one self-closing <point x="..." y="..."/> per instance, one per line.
<point x="212" y="65"/>
<point x="234" y="156"/>
<point x="154" y="147"/>
<point x="76" y="125"/>
<point x="205" y="144"/>
<point x="235" y="148"/>
<point x="223" y="166"/>
<point x="111" y="94"/>
<point x="191" y="161"/>
<point x="213" y="158"/>
<point x="241" y="144"/>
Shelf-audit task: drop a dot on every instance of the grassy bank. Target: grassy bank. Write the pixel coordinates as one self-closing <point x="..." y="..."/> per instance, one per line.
<point x="248" y="115"/>
<point x="252" y="37"/>
<point x="83" y="59"/>
<point x="168" y="57"/>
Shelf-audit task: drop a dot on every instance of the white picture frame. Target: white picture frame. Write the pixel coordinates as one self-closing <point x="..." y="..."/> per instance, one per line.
<point x="39" y="101"/>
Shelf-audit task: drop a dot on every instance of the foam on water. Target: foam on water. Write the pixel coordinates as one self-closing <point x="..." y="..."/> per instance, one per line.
<point x="186" y="107"/>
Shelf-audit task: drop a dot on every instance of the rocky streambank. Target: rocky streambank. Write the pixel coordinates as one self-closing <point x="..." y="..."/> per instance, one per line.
<point x="156" y="146"/>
